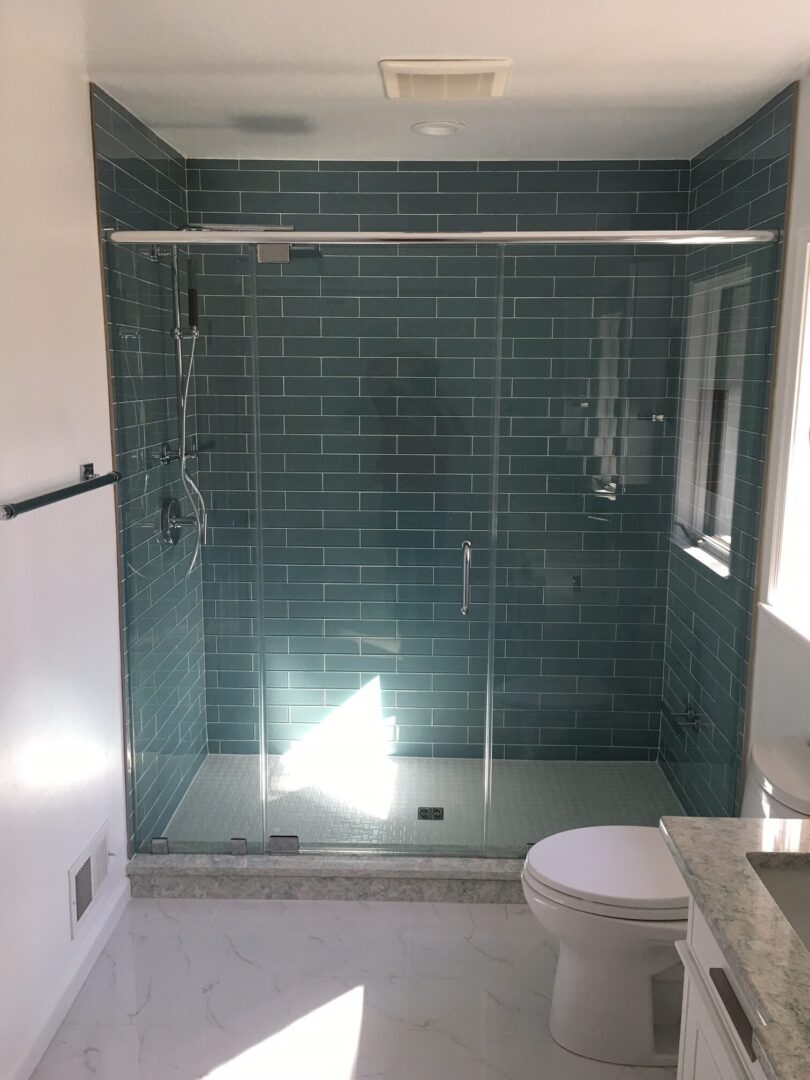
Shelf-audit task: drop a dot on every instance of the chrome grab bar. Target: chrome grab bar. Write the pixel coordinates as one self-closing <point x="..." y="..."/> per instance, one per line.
<point x="466" y="563"/>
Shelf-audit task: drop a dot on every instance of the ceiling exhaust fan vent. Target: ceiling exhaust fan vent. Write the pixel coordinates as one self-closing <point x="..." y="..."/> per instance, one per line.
<point x="444" y="80"/>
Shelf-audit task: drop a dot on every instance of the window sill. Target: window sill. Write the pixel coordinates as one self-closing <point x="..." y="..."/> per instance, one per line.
<point x="790" y="620"/>
<point x="716" y="565"/>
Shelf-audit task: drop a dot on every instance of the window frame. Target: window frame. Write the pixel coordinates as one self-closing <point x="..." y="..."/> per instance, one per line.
<point x="698" y="450"/>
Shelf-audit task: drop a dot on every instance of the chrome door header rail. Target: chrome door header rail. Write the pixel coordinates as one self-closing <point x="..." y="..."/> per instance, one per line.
<point x="247" y="235"/>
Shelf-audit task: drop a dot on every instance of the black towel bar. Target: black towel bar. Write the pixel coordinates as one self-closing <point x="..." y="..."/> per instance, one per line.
<point x="15" y="509"/>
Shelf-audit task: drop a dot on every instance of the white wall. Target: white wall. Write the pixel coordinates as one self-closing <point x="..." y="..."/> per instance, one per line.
<point x="61" y="773"/>
<point x="780" y="690"/>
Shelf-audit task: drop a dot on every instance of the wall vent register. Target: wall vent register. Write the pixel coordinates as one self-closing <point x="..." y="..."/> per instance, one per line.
<point x="87" y="876"/>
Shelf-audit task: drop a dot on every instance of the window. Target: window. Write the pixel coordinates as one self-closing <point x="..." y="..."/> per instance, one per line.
<point x="711" y="403"/>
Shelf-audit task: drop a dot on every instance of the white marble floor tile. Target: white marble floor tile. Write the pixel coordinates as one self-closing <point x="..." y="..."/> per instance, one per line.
<point x="279" y="990"/>
<point x="239" y="1053"/>
<point x="97" y="1051"/>
<point x="349" y="938"/>
<point x="460" y="941"/>
<point x="273" y="917"/>
<point x="359" y="1021"/>
<point x="154" y="917"/>
<point x="143" y="979"/>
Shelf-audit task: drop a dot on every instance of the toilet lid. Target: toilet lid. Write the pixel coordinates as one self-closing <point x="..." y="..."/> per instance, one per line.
<point x="624" y="866"/>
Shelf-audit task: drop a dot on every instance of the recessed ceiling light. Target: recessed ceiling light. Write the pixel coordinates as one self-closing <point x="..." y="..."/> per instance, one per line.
<point x="438" y="127"/>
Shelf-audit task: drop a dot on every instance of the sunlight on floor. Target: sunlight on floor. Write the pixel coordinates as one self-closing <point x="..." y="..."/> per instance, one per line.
<point x="322" y="1043"/>
<point x="347" y="755"/>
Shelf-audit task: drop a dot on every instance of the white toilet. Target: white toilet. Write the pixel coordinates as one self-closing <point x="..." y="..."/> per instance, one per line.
<point x="777" y="784"/>
<point x="616" y="902"/>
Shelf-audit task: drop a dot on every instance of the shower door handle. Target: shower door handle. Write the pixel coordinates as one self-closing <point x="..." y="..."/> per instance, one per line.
<point x="466" y="563"/>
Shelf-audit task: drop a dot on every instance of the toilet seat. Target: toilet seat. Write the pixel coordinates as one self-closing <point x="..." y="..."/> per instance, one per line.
<point x="609" y="911"/>
<point x="617" y="871"/>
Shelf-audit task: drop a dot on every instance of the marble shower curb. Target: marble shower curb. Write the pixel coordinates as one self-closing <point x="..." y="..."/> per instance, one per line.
<point x="327" y="877"/>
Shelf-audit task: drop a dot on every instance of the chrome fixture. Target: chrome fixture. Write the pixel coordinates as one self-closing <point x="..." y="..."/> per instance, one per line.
<point x="689" y="718"/>
<point x="605" y="487"/>
<point x="170" y="519"/>
<point x="257" y="235"/>
<point x="283" y="845"/>
<point x="194" y="450"/>
<point x="265" y="252"/>
<point x="466" y="563"/>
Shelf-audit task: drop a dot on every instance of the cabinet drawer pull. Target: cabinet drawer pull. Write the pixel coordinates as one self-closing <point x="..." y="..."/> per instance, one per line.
<point x="734" y="1010"/>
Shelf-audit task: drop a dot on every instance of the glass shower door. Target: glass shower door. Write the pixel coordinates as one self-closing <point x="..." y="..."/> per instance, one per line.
<point x="590" y="338"/>
<point x="375" y="369"/>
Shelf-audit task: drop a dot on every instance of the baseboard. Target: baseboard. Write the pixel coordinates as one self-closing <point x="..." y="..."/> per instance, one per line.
<point x="71" y="983"/>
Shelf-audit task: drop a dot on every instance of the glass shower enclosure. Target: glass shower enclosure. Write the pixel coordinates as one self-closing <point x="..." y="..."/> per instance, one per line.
<point x="430" y="607"/>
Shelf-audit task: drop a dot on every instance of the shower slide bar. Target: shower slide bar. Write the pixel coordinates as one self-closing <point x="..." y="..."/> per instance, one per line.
<point x="89" y="482"/>
<point x="276" y="235"/>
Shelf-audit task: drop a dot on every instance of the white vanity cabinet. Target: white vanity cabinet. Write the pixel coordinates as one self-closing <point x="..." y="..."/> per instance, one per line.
<point x="715" y="1027"/>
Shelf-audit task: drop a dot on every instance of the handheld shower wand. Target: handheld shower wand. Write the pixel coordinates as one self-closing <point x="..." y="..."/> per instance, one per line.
<point x="199" y="509"/>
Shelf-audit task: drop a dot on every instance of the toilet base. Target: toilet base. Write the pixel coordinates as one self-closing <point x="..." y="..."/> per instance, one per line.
<point x="616" y="995"/>
<point x="606" y="1010"/>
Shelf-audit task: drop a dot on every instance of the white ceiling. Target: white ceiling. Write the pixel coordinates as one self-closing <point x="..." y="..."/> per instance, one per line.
<point x="590" y="78"/>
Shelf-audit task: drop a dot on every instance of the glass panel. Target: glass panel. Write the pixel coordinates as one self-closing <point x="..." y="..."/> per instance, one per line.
<point x="585" y="487"/>
<point x="191" y="659"/>
<point x="376" y="398"/>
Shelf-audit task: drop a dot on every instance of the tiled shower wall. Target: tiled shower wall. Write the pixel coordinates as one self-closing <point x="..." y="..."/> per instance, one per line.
<point x="141" y="184"/>
<point x="375" y="371"/>
<point x="740" y="182"/>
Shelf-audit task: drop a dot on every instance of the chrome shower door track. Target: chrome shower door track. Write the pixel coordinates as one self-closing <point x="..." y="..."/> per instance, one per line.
<point x="246" y="235"/>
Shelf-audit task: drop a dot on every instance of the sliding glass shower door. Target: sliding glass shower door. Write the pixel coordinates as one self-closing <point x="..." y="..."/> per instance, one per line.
<point x="376" y="379"/>
<point x="590" y="346"/>
<point x="405" y="633"/>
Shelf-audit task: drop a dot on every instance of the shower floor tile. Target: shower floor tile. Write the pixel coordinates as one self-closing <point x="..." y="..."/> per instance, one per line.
<point x="353" y="805"/>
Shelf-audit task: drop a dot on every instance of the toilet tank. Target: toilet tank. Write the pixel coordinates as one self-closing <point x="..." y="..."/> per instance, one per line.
<point x="777" y="784"/>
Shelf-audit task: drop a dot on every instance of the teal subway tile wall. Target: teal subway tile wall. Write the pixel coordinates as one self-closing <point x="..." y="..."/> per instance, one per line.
<point x="740" y="182"/>
<point x="376" y="375"/>
<point x="350" y="395"/>
<point x="141" y="184"/>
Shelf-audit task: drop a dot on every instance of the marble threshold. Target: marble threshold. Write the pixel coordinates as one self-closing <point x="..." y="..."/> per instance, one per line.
<point x="432" y="879"/>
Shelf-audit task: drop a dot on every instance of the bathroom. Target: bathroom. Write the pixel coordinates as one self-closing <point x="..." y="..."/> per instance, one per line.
<point x="403" y="473"/>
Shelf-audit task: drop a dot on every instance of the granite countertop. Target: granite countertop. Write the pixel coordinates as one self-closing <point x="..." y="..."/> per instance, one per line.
<point x="768" y="959"/>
